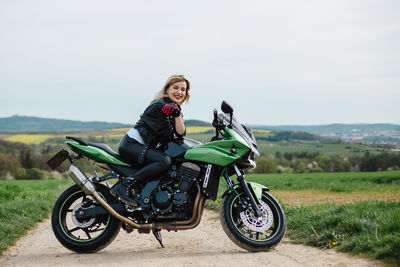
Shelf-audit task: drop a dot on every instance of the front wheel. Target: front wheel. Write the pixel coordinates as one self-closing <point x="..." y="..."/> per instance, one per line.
<point x="246" y="230"/>
<point x="83" y="235"/>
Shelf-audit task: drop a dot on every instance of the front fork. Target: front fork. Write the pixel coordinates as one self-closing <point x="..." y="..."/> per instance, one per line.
<point x="250" y="191"/>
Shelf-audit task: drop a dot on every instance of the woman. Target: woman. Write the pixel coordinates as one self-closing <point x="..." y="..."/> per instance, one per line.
<point x="160" y="123"/>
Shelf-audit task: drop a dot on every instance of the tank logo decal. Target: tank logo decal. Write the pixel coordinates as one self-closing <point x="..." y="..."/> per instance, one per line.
<point x="207" y="175"/>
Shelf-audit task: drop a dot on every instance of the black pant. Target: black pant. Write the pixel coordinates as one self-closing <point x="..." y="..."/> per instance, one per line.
<point x="154" y="162"/>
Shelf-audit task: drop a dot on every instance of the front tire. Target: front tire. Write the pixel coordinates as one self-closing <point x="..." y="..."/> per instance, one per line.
<point x="88" y="235"/>
<point x="247" y="231"/>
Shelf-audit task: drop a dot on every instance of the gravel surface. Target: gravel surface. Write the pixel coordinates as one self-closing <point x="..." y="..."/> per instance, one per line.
<point x="206" y="245"/>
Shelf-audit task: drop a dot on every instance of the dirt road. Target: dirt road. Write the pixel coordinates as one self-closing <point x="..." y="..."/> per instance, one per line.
<point x="206" y="245"/>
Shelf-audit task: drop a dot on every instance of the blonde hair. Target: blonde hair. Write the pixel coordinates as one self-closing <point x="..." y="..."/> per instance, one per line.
<point x="171" y="80"/>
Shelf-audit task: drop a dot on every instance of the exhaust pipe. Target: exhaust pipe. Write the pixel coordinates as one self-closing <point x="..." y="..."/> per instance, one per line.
<point x="81" y="180"/>
<point x="88" y="188"/>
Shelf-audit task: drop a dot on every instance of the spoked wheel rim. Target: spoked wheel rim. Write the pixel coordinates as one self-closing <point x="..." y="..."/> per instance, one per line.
<point x="249" y="226"/>
<point x="81" y="230"/>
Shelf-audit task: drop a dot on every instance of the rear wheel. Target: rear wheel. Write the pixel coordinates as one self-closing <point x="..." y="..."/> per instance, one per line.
<point x="245" y="229"/>
<point x="83" y="235"/>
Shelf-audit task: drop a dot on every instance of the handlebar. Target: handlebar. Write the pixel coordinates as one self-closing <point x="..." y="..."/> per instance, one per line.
<point x="218" y="125"/>
<point x="215" y="124"/>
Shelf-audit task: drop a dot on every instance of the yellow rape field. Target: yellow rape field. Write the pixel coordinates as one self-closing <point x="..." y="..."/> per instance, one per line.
<point x="198" y="129"/>
<point x="119" y="129"/>
<point x="30" y="138"/>
<point x="261" y="131"/>
<point x="108" y="135"/>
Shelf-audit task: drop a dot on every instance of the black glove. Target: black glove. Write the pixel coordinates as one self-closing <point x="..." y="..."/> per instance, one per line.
<point x="171" y="109"/>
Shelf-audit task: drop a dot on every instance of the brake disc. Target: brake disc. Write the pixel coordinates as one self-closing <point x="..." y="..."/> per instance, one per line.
<point x="78" y="222"/>
<point x="260" y="224"/>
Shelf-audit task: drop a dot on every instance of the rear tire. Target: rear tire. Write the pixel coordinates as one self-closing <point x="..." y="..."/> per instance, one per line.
<point x="247" y="231"/>
<point x="83" y="236"/>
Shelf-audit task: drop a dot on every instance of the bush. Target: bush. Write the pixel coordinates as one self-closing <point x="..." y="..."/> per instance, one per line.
<point x="35" y="174"/>
<point x="20" y="173"/>
<point x="265" y="165"/>
<point x="29" y="174"/>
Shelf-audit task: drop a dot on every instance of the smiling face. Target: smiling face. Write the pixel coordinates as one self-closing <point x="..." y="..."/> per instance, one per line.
<point x="177" y="92"/>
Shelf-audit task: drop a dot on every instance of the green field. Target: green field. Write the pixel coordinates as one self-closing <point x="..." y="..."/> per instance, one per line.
<point x="336" y="182"/>
<point x="24" y="203"/>
<point x="369" y="227"/>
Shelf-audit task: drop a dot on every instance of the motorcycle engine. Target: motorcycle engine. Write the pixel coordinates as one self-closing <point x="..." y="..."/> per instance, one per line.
<point x="162" y="201"/>
<point x="187" y="174"/>
<point x="167" y="198"/>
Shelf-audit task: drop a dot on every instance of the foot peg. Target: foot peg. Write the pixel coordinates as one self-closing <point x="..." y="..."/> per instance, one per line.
<point x="157" y="235"/>
<point x="127" y="228"/>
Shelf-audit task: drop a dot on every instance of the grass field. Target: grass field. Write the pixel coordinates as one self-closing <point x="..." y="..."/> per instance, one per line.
<point x="24" y="203"/>
<point x="369" y="227"/>
<point x="339" y="210"/>
<point x="334" y="182"/>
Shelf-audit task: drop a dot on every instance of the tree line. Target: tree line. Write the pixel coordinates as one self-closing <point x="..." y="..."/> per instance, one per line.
<point x="22" y="161"/>
<point x="303" y="162"/>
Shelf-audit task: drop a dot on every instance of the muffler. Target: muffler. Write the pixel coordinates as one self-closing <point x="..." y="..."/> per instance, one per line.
<point x="81" y="180"/>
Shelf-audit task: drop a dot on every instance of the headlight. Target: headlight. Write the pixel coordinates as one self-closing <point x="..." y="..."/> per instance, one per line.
<point x="247" y="161"/>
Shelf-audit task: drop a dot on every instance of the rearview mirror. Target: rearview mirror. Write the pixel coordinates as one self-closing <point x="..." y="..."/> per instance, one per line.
<point x="225" y="107"/>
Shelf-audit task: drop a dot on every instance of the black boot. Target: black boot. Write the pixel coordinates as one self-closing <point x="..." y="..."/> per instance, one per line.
<point x="123" y="191"/>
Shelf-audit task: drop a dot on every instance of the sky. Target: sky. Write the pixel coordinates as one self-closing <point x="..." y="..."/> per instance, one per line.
<point x="276" y="62"/>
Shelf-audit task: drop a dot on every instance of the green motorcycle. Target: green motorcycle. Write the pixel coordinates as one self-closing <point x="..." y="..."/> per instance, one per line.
<point x="86" y="217"/>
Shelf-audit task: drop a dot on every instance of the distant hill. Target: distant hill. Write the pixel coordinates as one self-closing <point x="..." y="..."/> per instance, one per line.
<point x="197" y="123"/>
<point x="25" y="123"/>
<point x="377" y="133"/>
<point x="332" y="128"/>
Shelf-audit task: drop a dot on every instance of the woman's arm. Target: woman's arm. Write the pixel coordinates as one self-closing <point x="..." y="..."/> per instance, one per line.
<point x="179" y="125"/>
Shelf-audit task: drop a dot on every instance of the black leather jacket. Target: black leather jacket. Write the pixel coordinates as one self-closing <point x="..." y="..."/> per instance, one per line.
<point x="156" y="127"/>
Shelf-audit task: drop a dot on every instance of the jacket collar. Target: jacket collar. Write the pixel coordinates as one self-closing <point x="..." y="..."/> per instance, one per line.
<point x="166" y="99"/>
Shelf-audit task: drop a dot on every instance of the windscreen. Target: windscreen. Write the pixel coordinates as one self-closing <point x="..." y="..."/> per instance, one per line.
<point x="240" y="129"/>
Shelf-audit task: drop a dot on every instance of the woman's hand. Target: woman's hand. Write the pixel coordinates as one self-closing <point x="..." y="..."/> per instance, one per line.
<point x="171" y="109"/>
<point x="174" y="110"/>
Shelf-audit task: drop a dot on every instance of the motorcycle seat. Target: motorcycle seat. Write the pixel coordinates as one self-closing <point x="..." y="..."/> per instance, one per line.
<point x="103" y="147"/>
<point x="106" y="148"/>
<point x="110" y="151"/>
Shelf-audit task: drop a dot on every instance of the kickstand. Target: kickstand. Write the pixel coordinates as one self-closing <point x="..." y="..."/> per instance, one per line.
<point x="157" y="235"/>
